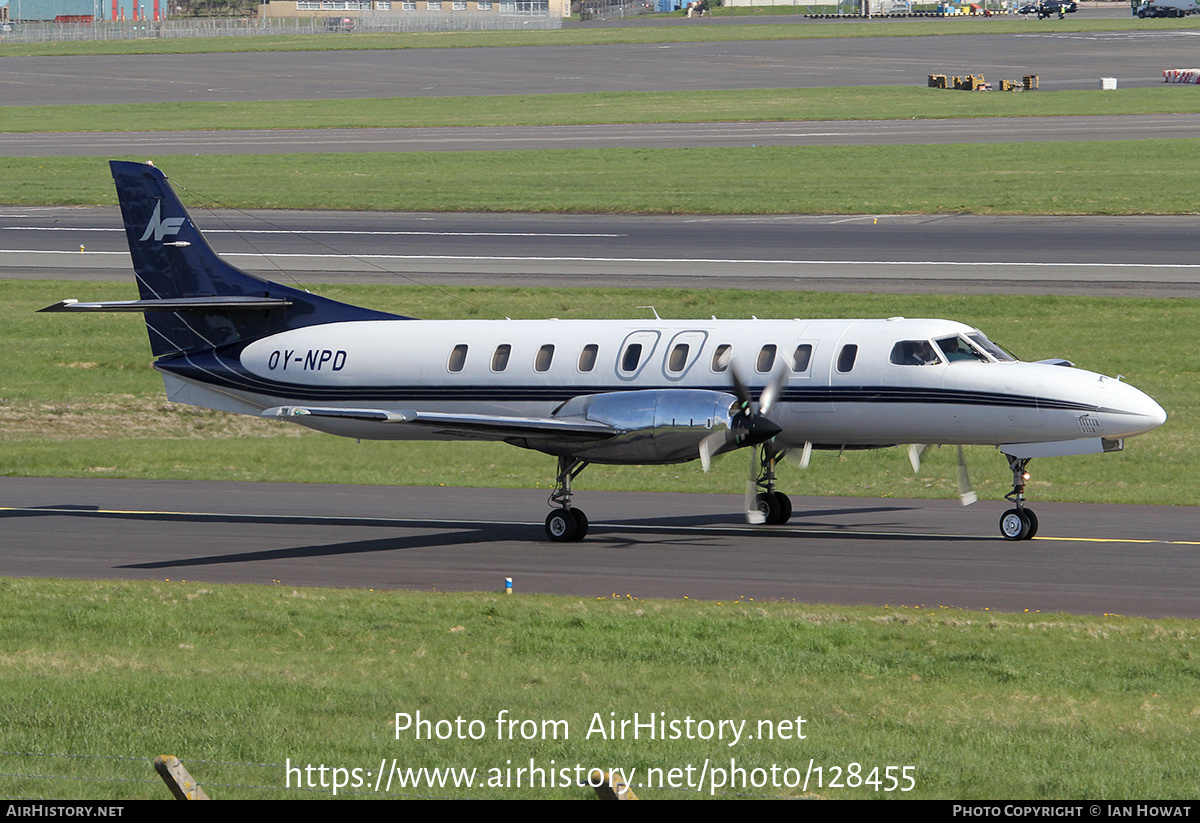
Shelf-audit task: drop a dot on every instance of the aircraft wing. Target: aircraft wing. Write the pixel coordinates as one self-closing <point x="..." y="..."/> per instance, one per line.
<point x="471" y="426"/>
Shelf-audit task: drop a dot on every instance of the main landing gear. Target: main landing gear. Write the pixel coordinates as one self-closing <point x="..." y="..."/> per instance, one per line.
<point x="566" y="524"/>
<point x="773" y="507"/>
<point x="1019" y="523"/>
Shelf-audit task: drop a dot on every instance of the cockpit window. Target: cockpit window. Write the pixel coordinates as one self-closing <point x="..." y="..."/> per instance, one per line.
<point x="955" y="348"/>
<point x="991" y="348"/>
<point x="914" y="353"/>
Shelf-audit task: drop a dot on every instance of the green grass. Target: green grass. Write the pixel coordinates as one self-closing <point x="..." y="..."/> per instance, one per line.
<point x="81" y="400"/>
<point x="1091" y="178"/>
<point x="851" y="103"/>
<point x="238" y="680"/>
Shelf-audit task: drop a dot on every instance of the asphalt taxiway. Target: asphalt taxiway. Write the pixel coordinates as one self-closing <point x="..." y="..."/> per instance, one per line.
<point x="1101" y="256"/>
<point x="1066" y="60"/>
<point x="1098" y="559"/>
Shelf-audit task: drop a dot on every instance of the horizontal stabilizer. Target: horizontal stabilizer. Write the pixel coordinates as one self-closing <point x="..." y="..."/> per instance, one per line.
<point x="174" y="304"/>
<point x="478" y="426"/>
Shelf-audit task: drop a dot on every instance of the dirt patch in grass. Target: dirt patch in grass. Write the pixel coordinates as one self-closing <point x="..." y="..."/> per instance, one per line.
<point x="130" y="417"/>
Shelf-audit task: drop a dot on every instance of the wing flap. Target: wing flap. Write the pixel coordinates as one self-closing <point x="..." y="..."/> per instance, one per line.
<point x="478" y="426"/>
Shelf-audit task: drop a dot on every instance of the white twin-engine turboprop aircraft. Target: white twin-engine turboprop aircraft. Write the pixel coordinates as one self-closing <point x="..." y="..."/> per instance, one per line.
<point x="600" y="391"/>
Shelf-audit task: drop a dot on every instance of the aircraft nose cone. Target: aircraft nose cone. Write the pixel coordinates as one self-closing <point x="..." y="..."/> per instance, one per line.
<point x="1141" y="410"/>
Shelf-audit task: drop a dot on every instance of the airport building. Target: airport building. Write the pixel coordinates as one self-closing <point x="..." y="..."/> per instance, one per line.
<point x="85" y="11"/>
<point x="376" y="8"/>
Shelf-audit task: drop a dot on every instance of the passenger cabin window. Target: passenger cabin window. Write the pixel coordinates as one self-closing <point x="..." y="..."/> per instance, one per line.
<point x="545" y="357"/>
<point x="721" y="356"/>
<point x="846" y="356"/>
<point x="766" y="358"/>
<point x="802" y="358"/>
<point x="678" y="358"/>
<point x="956" y="349"/>
<point x="587" y="357"/>
<point x="500" y="357"/>
<point x="631" y="358"/>
<point x="914" y="353"/>
<point x="458" y="357"/>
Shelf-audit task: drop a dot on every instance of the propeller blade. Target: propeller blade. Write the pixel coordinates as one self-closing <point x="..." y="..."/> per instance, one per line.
<point x="914" y="456"/>
<point x="710" y="445"/>
<point x="771" y="392"/>
<point x="965" y="493"/>
<point x="806" y="454"/>
<point x="753" y="516"/>
<point x="739" y="386"/>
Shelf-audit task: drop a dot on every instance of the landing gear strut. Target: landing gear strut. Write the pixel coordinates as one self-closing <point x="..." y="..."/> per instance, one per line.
<point x="774" y="506"/>
<point x="566" y="524"/>
<point x="1019" y="523"/>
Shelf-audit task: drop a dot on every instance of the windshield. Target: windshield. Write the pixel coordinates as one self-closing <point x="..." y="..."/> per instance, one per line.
<point x="956" y="348"/>
<point x="991" y="348"/>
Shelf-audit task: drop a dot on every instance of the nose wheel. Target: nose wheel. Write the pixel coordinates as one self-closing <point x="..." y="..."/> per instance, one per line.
<point x="1019" y="523"/>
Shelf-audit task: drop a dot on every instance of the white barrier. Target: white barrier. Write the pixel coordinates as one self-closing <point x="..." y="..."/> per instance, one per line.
<point x="1181" y="76"/>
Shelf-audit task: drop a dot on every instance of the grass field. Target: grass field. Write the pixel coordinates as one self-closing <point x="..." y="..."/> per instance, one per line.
<point x="237" y="681"/>
<point x="1091" y="178"/>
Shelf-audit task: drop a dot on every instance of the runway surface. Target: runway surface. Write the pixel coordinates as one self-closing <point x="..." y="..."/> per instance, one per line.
<point x="1133" y="560"/>
<point x="1062" y="61"/>
<point x="1107" y="256"/>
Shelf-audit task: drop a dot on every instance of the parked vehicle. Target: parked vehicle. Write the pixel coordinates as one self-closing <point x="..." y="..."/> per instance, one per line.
<point x="1167" y="8"/>
<point x="1045" y="8"/>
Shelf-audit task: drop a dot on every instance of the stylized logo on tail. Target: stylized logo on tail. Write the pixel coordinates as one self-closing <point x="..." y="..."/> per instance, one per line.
<point x="161" y="228"/>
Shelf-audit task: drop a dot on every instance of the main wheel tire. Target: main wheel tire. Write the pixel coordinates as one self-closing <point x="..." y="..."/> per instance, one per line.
<point x="1014" y="525"/>
<point x="769" y="506"/>
<point x="561" y="526"/>
<point x="785" y="507"/>
<point x="1033" y="523"/>
<point x="581" y="524"/>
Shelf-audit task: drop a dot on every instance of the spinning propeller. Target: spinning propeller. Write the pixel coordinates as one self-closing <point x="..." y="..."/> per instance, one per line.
<point x="965" y="493"/>
<point x="749" y="426"/>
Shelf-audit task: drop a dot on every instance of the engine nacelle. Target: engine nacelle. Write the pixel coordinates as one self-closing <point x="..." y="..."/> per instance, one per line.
<point x="657" y="426"/>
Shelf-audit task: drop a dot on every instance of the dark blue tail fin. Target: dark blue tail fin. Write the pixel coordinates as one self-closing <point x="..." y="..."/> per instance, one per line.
<point x="172" y="260"/>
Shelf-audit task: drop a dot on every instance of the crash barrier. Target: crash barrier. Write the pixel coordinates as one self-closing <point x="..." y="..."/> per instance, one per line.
<point x="841" y="16"/>
<point x="976" y="82"/>
<point x="1181" y="76"/>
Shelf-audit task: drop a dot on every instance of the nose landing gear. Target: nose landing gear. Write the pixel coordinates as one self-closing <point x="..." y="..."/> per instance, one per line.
<point x="1019" y="523"/>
